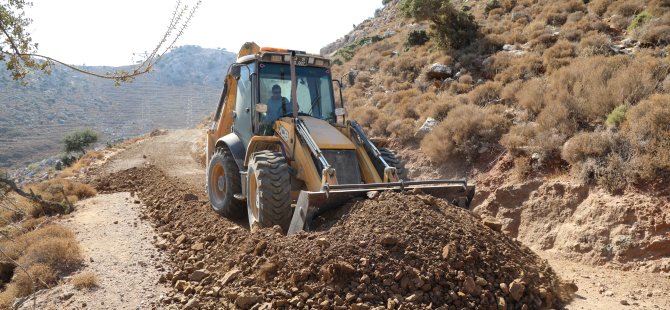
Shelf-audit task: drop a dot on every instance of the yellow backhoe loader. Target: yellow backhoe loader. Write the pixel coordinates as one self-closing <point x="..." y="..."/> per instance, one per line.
<point x="281" y="149"/>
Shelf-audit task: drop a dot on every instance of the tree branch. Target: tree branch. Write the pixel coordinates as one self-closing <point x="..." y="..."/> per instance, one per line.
<point x="49" y="207"/>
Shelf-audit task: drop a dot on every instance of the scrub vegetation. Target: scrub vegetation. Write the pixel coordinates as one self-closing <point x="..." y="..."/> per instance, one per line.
<point x="575" y="86"/>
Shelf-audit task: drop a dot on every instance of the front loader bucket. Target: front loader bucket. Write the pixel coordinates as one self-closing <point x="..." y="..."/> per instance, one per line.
<point x="311" y="204"/>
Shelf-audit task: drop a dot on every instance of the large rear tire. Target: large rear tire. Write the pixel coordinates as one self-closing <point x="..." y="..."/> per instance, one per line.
<point x="269" y="185"/>
<point x="392" y="159"/>
<point x="223" y="182"/>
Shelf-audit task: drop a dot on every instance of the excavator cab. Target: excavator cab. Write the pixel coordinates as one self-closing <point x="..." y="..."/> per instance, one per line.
<point x="281" y="151"/>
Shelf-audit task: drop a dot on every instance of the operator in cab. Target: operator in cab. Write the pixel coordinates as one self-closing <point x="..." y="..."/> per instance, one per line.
<point x="278" y="105"/>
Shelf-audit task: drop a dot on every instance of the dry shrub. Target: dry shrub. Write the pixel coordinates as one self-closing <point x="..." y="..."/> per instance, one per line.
<point x="84" y="280"/>
<point x="407" y="66"/>
<point x="22" y="285"/>
<point x="530" y="95"/>
<point x="531" y="139"/>
<point x="62" y="254"/>
<point x="486" y="93"/>
<point x="558" y="55"/>
<point x="53" y="189"/>
<point x="599" y="7"/>
<point x="595" y="43"/>
<point x="556" y="12"/>
<point x="647" y="130"/>
<point x="542" y="42"/>
<point x="658" y="7"/>
<point x="656" y="35"/>
<point x="364" y="79"/>
<point x="466" y="131"/>
<point x="441" y="108"/>
<point x="626" y="8"/>
<point x="44" y="253"/>
<point x="598" y="157"/>
<point x="365" y="115"/>
<point x="592" y="87"/>
<point x="402" y="129"/>
<point x="587" y="144"/>
<point x="509" y="68"/>
<point x="460" y="88"/>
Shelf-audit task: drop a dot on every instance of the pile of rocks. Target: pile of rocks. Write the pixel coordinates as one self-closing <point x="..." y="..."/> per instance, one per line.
<point x="395" y="251"/>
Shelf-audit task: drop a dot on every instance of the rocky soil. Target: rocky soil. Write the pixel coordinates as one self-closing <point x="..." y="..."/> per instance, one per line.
<point x="397" y="250"/>
<point x="393" y="251"/>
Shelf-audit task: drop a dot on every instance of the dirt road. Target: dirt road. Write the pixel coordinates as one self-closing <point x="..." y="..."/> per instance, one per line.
<point x="178" y="191"/>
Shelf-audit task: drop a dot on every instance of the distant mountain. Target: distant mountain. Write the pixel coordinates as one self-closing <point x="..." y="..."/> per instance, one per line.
<point x="182" y="89"/>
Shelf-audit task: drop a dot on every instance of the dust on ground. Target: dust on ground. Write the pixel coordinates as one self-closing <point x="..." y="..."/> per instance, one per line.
<point x="118" y="249"/>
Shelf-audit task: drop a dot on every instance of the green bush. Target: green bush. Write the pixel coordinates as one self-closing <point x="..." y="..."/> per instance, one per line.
<point x="78" y="141"/>
<point x="617" y="116"/>
<point x="451" y="27"/>
<point x="639" y="20"/>
<point x="416" y="37"/>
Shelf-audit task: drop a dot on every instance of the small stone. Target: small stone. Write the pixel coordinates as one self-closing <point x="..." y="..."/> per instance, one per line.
<point x="516" y="289"/>
<point x="193" y="303"/>
<point x="322" y="242"/>
<point x="471" y="287"/>
<point x="480" y="281"/>
<point x="412" y="298"/>
<point x="365" y="279"/>
<point x="492" y="223"/>
<point x="198" y="275"/>
<point x="116" y="222"/>
<point x="198" y="246"/>
<point x="502" y="304"/>
<point x="190" y="197"/>
<point x="359" y="306"/>
<point x="230" y="276"/>
<point x="446" y="251"/>
<point x="66" y="296"/>
<point x="391" y="304"/>
<point x="180" y="285"/>
<point x="504" y="288"/>
<point x="625" y="302"/>
<point x="180" y="239"/>
<point x="389" y="240"/>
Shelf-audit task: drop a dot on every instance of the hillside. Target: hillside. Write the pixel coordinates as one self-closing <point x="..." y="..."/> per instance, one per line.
<point x="182" y="89"/>
<point x="558" y="110"/>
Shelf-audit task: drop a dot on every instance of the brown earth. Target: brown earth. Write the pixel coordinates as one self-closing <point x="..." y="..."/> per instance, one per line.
<point x="379" y="252"/>
<point x="412" y="250"/>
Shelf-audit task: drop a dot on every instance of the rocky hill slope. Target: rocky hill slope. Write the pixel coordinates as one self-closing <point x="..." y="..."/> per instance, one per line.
<point x="558" y="109"/>
<point x="34" y="118"/>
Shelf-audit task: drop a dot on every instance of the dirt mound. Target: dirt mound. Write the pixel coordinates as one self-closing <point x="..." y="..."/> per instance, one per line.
<point x="407" y="250"/>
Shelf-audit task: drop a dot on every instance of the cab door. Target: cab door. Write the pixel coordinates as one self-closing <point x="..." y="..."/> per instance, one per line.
<point x="244" y="108"/>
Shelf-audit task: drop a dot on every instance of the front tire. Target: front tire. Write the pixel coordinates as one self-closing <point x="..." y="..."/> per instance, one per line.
<point x="392" y="159"/>
<point x="269" y="186"/>
<point x="223" y="182"/>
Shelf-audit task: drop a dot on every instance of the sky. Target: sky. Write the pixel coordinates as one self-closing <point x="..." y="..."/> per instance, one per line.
<point x="108" y="32"/>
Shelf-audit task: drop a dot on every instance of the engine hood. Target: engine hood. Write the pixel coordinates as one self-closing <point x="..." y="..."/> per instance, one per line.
<point x="326" y="136"/>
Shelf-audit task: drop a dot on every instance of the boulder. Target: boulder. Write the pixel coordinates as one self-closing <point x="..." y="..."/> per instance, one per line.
<point x="439" y="71"/>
